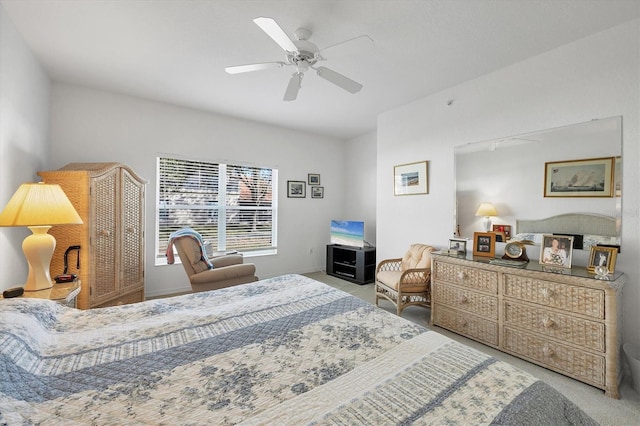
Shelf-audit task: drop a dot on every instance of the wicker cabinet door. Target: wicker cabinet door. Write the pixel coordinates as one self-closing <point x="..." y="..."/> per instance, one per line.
<point x="132" y="238"/>
<point x="104" y="190"/>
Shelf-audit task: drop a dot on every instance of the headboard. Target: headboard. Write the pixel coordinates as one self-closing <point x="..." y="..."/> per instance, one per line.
<point x="571" y="223"/>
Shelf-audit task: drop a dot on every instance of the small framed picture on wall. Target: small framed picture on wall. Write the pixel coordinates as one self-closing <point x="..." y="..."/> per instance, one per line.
<point x="296" y="189"/>
<point x="313" y="179"/>
<point x="317" y="192"/>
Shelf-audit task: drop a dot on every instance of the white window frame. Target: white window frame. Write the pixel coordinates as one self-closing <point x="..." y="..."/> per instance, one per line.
<point x="221" y="207"/>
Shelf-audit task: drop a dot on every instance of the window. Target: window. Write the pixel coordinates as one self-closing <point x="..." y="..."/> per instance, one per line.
<point x="232" y="206"/>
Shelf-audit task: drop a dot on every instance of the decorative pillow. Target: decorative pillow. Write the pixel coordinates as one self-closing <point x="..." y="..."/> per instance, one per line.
<point x="528" y="238"/>
<point x="594" y="240"/>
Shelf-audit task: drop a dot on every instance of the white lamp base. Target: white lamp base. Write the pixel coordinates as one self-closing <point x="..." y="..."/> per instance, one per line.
<point x="38" y="249"/>
<point x="486" y="222"/>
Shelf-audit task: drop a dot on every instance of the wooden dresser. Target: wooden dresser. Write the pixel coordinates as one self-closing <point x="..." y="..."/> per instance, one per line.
<point x="109" y="197"/>
<point x="567" y="322"/>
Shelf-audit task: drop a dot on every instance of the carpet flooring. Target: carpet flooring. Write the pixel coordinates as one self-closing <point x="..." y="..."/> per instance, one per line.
<point x="606" y="411"/>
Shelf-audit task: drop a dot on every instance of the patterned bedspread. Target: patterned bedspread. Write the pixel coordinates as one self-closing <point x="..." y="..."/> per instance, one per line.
<point x="287" y="350"/>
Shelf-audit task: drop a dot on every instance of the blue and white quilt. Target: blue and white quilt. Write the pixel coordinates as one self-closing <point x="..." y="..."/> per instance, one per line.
<point x="287" y="350"/>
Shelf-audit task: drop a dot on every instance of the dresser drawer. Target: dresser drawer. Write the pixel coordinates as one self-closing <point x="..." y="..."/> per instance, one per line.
<point x="471" y="326"/>
<point x="580" y="300"/>
<point x="465" y="300"/>
<point x="563" y="327"/>
<point x="478" y="279"/>
<point x="556" y="356"/>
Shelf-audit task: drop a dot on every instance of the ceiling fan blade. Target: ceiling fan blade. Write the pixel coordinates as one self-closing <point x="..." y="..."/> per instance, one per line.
<point x="339" y="79"/>
<point x="253" y="67"/>
<point x="362" y="44"/>
<point x="294" y="85"/>
<point x="273" y="30"/>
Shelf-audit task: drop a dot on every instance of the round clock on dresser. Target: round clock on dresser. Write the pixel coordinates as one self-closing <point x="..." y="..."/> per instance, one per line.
<point x="515" y="250"/>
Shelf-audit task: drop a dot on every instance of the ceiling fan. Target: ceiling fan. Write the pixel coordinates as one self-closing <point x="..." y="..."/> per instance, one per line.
<point x="301" y="54"/>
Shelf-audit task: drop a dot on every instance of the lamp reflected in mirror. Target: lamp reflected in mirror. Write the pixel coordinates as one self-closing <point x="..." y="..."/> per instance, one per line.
<point x="486" y="210"/>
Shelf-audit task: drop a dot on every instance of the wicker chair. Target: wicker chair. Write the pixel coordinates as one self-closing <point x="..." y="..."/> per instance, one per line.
<point x="406" y="281"/>
<point x="227" y="270"/>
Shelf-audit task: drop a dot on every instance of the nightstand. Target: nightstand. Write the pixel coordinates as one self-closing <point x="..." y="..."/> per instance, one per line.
<point x="64" y="293"/>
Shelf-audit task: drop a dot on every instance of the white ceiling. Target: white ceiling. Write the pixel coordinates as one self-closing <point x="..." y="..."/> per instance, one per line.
<point x="176" y="50"/>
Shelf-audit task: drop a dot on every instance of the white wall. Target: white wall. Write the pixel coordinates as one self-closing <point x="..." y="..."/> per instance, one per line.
<point x="90" y="125"/>
<point x="360" y="183"/>
<point x="24" y="132"/>
<point x="595" y="77"/>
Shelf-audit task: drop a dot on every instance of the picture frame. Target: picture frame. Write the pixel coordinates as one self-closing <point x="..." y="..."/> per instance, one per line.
<point x="458" y="246"/>
<point x="602" y="256"/>
<point x="313" y="179"/>
<point x="506" y="229"/>
<point x="501" y="237"/>
<point x="411" y="179"/>
<point x="556" y="250"/>
<point x="484" y="244"/>
<point x="317" y="192"/>
<point x="591" y="177"/>
<point x="296" y="189"/>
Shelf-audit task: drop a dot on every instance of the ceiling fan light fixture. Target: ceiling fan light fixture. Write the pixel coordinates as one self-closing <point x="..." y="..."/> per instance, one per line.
<point x="300" y="53"/>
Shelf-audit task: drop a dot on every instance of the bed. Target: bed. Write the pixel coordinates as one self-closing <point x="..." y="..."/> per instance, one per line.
<point x="286" y="350"/>
<point x="589" y="229"/>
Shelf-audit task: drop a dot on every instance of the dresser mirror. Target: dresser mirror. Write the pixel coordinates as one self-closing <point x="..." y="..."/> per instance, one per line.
<point x="510" y="173"/>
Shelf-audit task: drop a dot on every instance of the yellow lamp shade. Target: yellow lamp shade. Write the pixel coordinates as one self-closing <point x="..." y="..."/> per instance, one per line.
<point x="35" y="204"/>
<point x="38" y="206"/>
<point x="486" y="209"/>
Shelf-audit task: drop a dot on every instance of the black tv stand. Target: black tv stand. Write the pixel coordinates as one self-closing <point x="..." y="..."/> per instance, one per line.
<point x="354" y="264"/>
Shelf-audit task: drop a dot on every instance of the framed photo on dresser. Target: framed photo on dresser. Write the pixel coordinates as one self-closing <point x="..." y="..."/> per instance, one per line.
<point x="603" y="257"/>
<point x="458" y="246"/>
<point x="556" y="250"/>
<point x="484" y="244"/>
<point x="505" y="229"/>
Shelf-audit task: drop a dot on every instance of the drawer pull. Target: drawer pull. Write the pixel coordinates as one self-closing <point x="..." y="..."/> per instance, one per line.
<point x="462" y="275"/>
<point x="548" y="323"/>
<point x="547" y="351"/>
<point x="104" y="233"/>
<point x="463" y="299"/>
<point x="547" y="293"/>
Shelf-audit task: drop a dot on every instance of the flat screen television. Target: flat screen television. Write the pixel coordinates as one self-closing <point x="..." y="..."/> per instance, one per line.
<point x="347" y="233"/>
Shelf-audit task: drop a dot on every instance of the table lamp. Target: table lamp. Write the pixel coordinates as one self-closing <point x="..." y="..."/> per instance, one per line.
<point x="38" y="206"/>
<point x="487" y="210"/>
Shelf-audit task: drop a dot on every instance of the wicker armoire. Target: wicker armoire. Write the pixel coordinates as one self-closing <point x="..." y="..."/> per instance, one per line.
<point x="109" y="197"/>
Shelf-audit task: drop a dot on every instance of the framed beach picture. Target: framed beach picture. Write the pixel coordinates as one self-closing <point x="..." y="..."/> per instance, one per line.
<point x="593" y="177"/>
<point x="313" y="179"/>
<point x="410" y="179"/>
<point x="556" y="250"/>
<point x="296" y="189"/>
<point x="484" y="244"/>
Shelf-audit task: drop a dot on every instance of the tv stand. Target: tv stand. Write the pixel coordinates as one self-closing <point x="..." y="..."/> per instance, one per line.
<point x="354" y="264"/>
